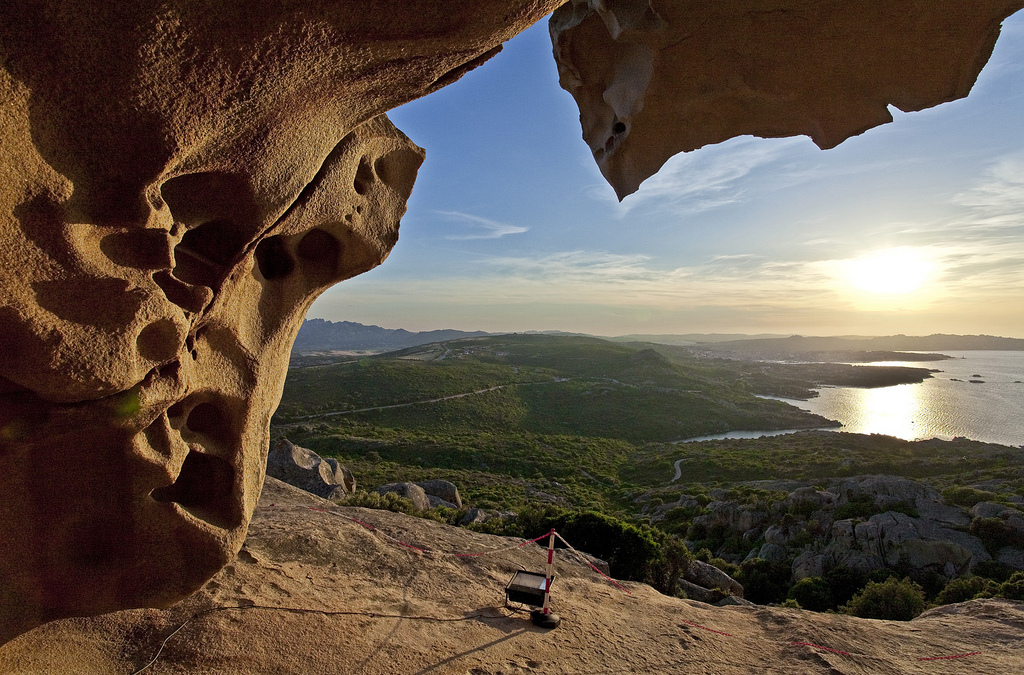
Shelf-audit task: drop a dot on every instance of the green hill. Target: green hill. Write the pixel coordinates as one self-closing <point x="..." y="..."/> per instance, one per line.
<point x="582" y="422"/>
<point x="508" y="416"/>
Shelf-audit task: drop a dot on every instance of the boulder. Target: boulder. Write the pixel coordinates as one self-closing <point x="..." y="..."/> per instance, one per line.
<point x="699" y="593"/>
<point x="342" y="475"/>
<point x="773" y="553"/>
<point x="810" y="496"/>
<point x="730" y="515"/>
<point x="783" y="532"/>
<point x="943" y="514"/>
<point x="306" y="470"/>
<point x="475" y="515"/>
<point x="1014" y="557"/>
<point x="436" y="502"/>
<point x="709" y="576"/>
<point x="443" y="489"/>
<point x="808" y="564"/>
<point x="410" y="491"/>
<point x="1015" y="521"/>
<point x="993" y="510"/>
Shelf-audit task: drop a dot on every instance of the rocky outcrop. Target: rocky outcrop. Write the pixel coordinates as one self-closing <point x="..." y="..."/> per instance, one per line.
<point x="653" y="78"/>
<point x="898" y="541"/>
<point x="414" y="493"/>
<point x="443" y="490"/>
<point x="306" y="470"/>
<point x="356" y="602"/>
<point x="709" y="576"/>
<point x="179" y="184"/>
<point x="866" y="523"/>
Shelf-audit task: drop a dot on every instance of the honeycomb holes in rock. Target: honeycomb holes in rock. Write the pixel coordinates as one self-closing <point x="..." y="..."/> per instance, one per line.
<point x="273" y="259"/>
<point x="205" y="484"/>
<point x="219" y="214"/>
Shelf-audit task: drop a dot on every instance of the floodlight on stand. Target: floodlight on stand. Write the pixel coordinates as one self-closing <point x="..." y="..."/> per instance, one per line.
<point x="534" y="589"/>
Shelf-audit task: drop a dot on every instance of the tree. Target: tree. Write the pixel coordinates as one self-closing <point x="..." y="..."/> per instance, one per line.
<point x="812" y="593"/>
<point x="764" y="581"/>
<point x="893" y="599"/>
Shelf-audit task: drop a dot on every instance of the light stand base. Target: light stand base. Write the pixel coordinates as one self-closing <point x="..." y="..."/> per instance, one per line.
<point x="542" y="620"/>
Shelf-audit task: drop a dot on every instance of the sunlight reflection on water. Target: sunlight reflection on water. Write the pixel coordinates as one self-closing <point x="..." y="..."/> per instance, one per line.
<point x="893" y="411"/>
<point x="979" y="396"/>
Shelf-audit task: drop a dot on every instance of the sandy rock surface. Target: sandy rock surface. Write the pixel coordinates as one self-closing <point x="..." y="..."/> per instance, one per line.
<point x="355" y="602"/>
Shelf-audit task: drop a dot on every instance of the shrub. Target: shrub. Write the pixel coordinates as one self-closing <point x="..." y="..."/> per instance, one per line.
<point x="764" y="581"/>
<point x="966" y="588"/>
<point x="993" y="569"/>
<point x="931" y="582"/>
<point x="995" y="534"/>
<point x="893" y="599"/>
<point x="631" y="552"/>
<point x="725" y="566"/>
<point x="812" y="593"/>
<point x="1013" y="588"/>
<point x="389" y="501"/>
<point x="862" y="507"/>
<point x="703" y="555"/>
<point x="843" y="583"/>
<point x="804" y="509"/>
<point x="968" y="496"/>
<point x="675" y="560"/>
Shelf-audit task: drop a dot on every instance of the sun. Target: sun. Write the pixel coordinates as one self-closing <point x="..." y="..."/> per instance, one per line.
<point x="893" y="271"/>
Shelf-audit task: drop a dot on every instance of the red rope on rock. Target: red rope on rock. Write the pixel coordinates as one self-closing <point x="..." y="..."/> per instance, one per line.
<point x="419" y="549"/>
<point x="942" y="658"/>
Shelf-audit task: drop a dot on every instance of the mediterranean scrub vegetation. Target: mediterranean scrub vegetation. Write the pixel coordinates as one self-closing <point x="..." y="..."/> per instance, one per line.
<point x="582" y="434"/>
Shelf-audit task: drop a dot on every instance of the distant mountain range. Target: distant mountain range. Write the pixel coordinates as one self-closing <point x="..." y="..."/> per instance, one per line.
<point x="318" y="335"/>
<point x="895" y="343"/>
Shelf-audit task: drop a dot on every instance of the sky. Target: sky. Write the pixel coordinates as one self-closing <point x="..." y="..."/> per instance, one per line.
<point x="914" y="227"/>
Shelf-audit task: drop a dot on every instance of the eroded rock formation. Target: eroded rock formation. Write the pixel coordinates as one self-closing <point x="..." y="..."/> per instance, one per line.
<point x="179" y="181"/>
<point x="654" y="78"/>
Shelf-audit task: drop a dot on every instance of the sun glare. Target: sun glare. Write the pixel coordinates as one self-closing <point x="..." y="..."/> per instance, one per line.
<point x="891" y="271"/>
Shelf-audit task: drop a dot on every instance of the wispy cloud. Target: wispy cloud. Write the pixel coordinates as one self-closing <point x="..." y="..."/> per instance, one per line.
<point x="997" y="200"/>
<point x="483" y="228"/>
<point x="616" y="280"/>
<point x="708" y="178"/>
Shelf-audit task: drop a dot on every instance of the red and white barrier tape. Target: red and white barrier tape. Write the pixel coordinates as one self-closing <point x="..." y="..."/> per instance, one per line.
<point x="589" y="564"/>
<point x="422" y="550"/>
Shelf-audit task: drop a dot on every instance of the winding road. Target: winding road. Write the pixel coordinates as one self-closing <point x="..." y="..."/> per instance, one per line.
<point x="679" y="469"/>
<point x="427" y="400"/>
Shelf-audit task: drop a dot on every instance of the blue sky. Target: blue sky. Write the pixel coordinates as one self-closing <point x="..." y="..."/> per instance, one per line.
<point x="511" y="227"/>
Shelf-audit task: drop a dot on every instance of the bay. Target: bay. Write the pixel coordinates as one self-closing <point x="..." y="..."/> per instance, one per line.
<point x="977" y="395"/>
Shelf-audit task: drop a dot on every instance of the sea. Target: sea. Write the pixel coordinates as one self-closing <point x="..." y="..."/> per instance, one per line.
<point x="976" y="394"/>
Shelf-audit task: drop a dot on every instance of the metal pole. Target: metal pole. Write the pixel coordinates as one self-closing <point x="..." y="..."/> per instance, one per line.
<point x="547" y="580"/>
